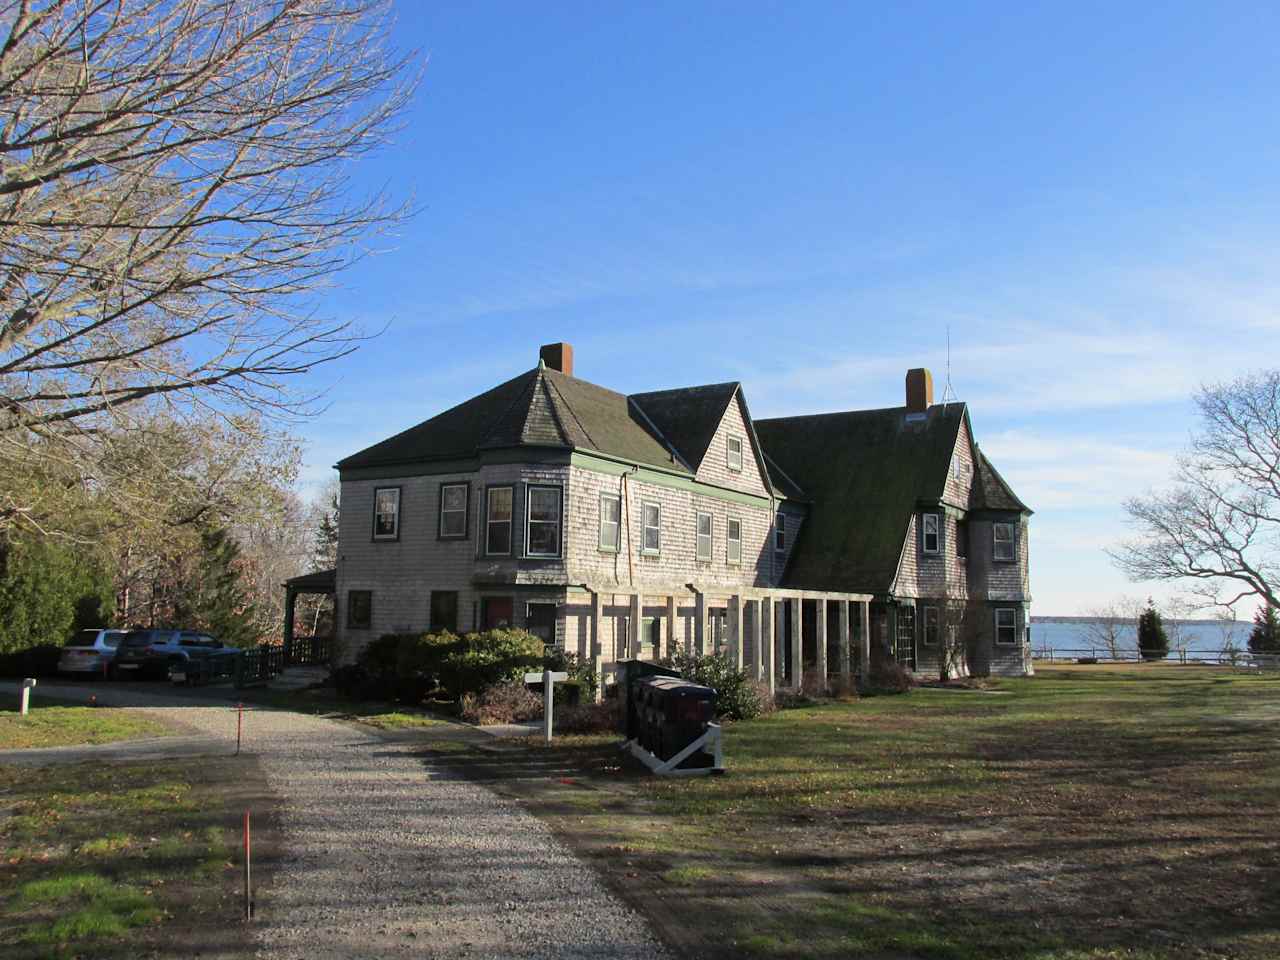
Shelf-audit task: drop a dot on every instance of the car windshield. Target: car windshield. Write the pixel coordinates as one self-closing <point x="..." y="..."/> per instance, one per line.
<point x="139" y="638"/>
<point x="84" y="638"/>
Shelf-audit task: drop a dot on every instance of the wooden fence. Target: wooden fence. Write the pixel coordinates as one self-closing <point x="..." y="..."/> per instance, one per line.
<point x="1238" y="659"/>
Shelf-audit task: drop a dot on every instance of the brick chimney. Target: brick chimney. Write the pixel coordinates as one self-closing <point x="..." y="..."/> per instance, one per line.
<point x="919" y="390"/>
<point x="558" y="356"/>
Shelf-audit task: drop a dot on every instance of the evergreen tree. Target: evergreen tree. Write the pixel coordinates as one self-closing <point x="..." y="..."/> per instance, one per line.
<point x="326" y="542"/>
<point x="221" y="604"/>
<point x="1265" y="636"/>
<point x="48" y="590"/>
<point x="1153" y="642"/>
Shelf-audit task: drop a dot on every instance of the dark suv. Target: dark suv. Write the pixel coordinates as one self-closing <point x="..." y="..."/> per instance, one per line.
<point x="154" y="653"/>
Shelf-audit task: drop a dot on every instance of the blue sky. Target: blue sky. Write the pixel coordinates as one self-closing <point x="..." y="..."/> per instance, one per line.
<point x="805" y="197"/>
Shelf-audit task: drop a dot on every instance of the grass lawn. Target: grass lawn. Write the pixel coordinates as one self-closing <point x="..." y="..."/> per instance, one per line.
<point x="52" y="724"/>
<point x="126" y="860"/>
<point x="1084" y="813"/>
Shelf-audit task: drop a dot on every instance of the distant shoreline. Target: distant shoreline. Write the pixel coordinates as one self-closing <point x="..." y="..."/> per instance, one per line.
<point x="1207" y="623"/>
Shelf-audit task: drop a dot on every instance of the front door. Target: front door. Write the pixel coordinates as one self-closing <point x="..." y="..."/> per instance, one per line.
<point x="495" y="613"/>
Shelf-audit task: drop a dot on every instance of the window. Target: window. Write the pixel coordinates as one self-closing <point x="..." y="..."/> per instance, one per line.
<point x="610" y="522"/>
<point x="542" y="521"/>
<point x="652" y="540"/>
<point x="780" y="532"/>
<point x="962" y="539"/>
<point x="497" y="536"/>
<point x="1006" y="626"/>
<point x="386" y="513"/>
<point x="359" y="608"/>
<point x="931" y="626"/>
<point x="453" y="510"/>
<point x="540" y="620"/>
<point x="733" y="537"/>
<point x="735" y="454"/>
<point x="444" y="610"/>
<point x="905" y="653"/>
<point x="932" y="532"/>
<point x="650" y="632"/>
<point x="704" y="536"/>
<point x="1005" y="546"/>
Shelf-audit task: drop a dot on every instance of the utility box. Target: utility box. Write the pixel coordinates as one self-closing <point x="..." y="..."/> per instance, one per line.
<point x="629" y="673"/>
<point x="672" y="713"/>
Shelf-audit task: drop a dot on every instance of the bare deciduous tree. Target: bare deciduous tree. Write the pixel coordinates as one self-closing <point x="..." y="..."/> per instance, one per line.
<point x="1112" y="627"/>
<point x="174" y="188"/>
<point x="1218" y="525"/>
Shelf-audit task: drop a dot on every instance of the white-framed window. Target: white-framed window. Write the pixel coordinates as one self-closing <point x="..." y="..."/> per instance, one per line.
<point x="931" y="532"/>
<point x="735" y="454"/>
<point x="1006" y="544"/>
<point x="453" y="510"/>
<point x="780" y="532"/>
<point x="542" y="520"/>
<point x="651" y="535"/>
<point x="386" y="513"/>
<point x="704" y="536"/>
<point x="1006" y="626"/>
<point x="610" y="522"/>
<point x="932" y="626"/>
<point x="497" y="521"/>
<point x="733" y="541"/>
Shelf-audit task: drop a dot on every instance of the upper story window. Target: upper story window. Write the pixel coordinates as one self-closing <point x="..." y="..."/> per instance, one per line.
<point x="780" y="532"/>
<point x="651" y="539"/>
<point x="1006" y="544"/>
<point x="542" y="521"/>
<point x="1006" y="626"/>
<point x="733" y="541"/>
<point x="610" y="522"/>
<point x="704" y="536"/>
<point x="735" y="454"/>
<point x="386" y="513"/>
<point x="497" y="522"/>
<point x="453" y="510"/>
<point x="932" y="533"/>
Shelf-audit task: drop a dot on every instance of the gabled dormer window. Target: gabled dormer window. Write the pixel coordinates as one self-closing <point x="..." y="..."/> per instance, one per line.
<point x="735" y="454"/>
<point x="1005" y="548"/>
<point x="931" y="537"/>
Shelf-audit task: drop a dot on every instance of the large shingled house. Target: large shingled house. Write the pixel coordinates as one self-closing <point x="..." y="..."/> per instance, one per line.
<point x="619" y="525"/>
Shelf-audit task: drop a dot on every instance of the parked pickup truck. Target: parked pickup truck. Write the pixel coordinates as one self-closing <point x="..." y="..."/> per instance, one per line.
<point x="89" y="651"/>
<point x="156" y="654"/>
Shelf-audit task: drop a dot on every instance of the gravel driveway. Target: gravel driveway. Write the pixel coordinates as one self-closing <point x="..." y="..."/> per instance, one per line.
<point x="385" y="855"/>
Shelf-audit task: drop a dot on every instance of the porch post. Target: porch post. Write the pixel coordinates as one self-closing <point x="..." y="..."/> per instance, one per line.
<point x="757" y="654"/>
<point x="843" y="630"/>
<point x="290" y="599"/>
<point x="766" y="644"/>
<point x="735" y="630"/>
<point x="797" y="643"/>
<point x="864" y="643"/>
<point x="597" y="659"/>
<point x="671" y="624"/>
<point x="634" y="641"/>
<point x="820" y="627"/>
<point x="780" y="641"/>
<point x="700" y="623"/>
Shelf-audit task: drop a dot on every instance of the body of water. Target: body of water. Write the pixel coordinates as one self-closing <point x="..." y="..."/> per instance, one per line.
<point x="1201" y="638"/>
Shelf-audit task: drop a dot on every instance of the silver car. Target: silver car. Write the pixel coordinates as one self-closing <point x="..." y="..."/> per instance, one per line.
<point x="91" y="651"/>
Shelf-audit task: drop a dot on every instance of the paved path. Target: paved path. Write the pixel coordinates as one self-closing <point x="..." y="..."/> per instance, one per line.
<point x="388" y="855"/>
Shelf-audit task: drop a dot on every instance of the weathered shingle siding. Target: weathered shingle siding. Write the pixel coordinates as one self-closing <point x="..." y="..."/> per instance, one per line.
<point x="956" y="491"/>
<point x="714" y="468"/>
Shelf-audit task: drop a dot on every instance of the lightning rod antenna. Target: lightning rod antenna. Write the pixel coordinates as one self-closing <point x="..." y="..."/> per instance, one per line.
<point x="948" y="393"/>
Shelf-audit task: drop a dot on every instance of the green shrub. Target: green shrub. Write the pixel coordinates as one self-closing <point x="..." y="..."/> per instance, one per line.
<point x="1153" y="642"/>
<point x="481" y="660"/>
<point x="738" y="697"/>
<point x="408" y="666"/>
<point x="582" y="684"/>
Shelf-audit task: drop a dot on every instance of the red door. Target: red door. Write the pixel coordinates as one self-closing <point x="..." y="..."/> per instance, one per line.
<point x="496" y="613"/>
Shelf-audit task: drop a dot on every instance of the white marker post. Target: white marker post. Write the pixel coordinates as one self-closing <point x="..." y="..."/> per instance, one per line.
<point x="27" y="684"/>
<point x="548" y="680"/>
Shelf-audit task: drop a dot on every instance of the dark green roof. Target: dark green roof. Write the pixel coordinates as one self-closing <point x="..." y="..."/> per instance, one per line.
<point x="989" y="490"/>
<point x="539" y="408"/>
<point x="864" y="473"/>
<point x="688" y="417"/>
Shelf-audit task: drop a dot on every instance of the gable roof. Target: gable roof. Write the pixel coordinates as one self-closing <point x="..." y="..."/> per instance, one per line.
<point x="989" y="490"/>
<point x="864" y="471"/>
<point x="688" y="417"/>
<point x="539" y="408"/>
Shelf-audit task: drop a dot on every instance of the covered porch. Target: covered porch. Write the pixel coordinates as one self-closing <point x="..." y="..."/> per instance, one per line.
<point x="308" y="649"/>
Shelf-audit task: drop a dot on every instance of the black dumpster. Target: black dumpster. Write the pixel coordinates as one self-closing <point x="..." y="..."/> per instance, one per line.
<point x="672" y="713"/>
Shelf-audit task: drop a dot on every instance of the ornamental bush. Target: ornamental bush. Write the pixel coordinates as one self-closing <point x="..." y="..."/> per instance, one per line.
<point x="409" y="666"/>
<point x="1153" y="642"/>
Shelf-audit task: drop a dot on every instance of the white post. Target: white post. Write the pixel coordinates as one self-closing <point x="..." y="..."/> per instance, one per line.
<point x="797" y="643"/>
<point x="27" y="684"/>
<point x="843" y="629"/>
<point x="634" y="640"/>
<point x="597" y="660"/>
<point x="700" y="623"/>
<point x="670" y="641"/>
<point x="864" y="643"/>
<point x="735" y="630"/>
<point x="820" y="628"/>
<point x="765" y="633"/>
<point x="547" y="700"/>
<point x="757" y="655"/>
